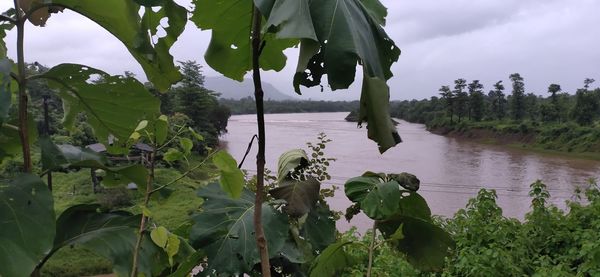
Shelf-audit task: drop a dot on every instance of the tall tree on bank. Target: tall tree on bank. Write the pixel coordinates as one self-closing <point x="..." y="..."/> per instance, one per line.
<point x="462" y="98"/>
<point x="498" y="101"/>
<point x="448" y="98"/>
<point x="518" y="96"/>
<point x="552" y="112"/>
<point x="587" y="104"/>
<point x="191" y="98"/>
<point x="476" y="103"/>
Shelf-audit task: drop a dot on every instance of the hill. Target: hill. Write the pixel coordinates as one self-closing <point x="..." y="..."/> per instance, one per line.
<point x="231" y="89"/>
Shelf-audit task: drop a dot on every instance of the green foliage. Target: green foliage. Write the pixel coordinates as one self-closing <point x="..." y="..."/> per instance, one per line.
<point x="332" y="261"/>
<point x="300" y="196"/>
<point x="232" y="178"/>
<point x="61" y="157"/>
<point x="27" y="225"/>
<point x="225" y="232"/>
<point x="402" y="216"/>
<point x="114" y="105"/>
<point x="549" y="242"/>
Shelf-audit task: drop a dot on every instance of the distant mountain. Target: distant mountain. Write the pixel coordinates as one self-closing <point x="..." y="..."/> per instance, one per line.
<point x="231" y="89"/>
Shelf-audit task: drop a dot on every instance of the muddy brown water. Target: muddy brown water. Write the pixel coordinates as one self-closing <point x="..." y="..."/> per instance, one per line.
<point x="451" y="170"/>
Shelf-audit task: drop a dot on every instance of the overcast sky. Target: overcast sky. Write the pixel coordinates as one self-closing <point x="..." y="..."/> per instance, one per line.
<point x="547" y="41"/>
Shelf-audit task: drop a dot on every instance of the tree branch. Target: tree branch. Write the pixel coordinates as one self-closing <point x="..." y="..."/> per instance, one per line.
<point x="261" y="241"/>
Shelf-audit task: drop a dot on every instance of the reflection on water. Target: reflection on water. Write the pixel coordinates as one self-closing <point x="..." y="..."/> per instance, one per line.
<point x="451" y="170"/>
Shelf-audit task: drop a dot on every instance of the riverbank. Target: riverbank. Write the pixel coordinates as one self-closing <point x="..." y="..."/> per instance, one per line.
<point x="563" y="139"/>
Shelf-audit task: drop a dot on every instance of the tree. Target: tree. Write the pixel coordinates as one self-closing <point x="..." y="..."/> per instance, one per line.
<point x="476" y="103"/>
<point x="448" y="98"/>
<point x="586" y="106"/>
<point x="190" y="97"/>
<point x="553" y="89"/>
<point x="518" y="96"/>
<point x="587" y="82"/>
<point x="531" y="105"/>
<point x="462" y="98"/>
<point x="550" y="113"/>
<point x="498" y="101"/>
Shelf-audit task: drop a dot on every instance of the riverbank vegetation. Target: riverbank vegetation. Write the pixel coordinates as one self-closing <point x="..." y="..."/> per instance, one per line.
<point x="560" y="121"/>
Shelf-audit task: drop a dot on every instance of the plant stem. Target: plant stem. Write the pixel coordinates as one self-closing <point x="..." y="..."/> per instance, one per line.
<point x="261" y="241"/>
<point x="372" y="248"/>
<point x="22" y="81"/>
<point x="138" y="244"/>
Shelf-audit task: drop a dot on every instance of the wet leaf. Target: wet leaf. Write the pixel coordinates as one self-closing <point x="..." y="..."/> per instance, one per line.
<point x="138" y="33"/>
<point x="114" y="105"/>
<point x="232" y="178"/>
<point x="224" y="230"/>
<point x="290" y="161"/>
<point x="27" y="225"/>
<point x="301" y="196"/>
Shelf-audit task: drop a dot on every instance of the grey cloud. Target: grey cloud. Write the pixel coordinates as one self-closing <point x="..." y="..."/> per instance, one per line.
<point x="441" y="40"/>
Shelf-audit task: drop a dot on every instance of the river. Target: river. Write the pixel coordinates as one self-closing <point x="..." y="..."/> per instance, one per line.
<point x="451" y="170"/>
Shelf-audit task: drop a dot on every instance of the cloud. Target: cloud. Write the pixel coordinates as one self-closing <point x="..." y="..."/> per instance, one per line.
<point x="547" y="41"/>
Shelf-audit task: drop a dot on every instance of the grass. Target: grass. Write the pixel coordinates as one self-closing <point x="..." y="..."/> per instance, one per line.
<point x="170" y="208"/>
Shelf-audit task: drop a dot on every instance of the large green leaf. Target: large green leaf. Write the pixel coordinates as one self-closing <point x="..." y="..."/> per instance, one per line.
<point x="139" y="34"/>
<point x="114" y="105"/>
<point x="60" y="157"/>
<point x="377" y="199"/>
<point x="27" y="225"/>
<point x="290" y="161"/>
<point x="288" y="18"/>
<point x="374" y="109"/>
<point x="425" y="244"/>
<point x="224" y="230"/>
<point x="332" y="261"/>
<point x="319" y="229"/>
<point x="229" y="51"/>
<point x="232" y="178"/>
<point x="112" y="235"/>
<point x="10" y="142"/>
<point x="350" y="33"/>
<point x="301" y="196"/>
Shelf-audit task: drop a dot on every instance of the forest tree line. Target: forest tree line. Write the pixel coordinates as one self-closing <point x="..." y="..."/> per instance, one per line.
<point x="246" y="106"/>
<point x="468" y="101"/>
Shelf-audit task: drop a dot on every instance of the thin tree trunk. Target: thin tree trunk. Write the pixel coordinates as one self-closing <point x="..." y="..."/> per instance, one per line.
<point x="372" y="249"/>
<point x="261" y="241"/>
<point x="47" y="133"/>
<point x="22" y="80"/>
<point x="138" y="244"/>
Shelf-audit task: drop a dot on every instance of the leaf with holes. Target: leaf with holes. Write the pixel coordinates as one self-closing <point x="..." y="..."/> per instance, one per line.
<point x="301" y="196"/>
<point x="114" y="105"/>
<point x="27" y="225"/>
<point x="290" y="161"/>
<point x="229" y="48"/>
<point x="139" y="34"/>
<point x="224" y="230"/>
